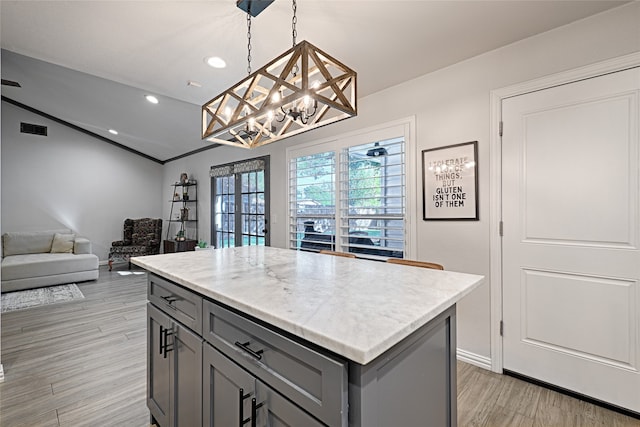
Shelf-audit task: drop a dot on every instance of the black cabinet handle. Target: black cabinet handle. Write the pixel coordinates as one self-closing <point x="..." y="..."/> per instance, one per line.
<point x="242" y="397"/>
<point x="245" y="347"/>
<point x="160" y="338"/>
<point x="254" y="411"/>
<point x="165" y="346"/>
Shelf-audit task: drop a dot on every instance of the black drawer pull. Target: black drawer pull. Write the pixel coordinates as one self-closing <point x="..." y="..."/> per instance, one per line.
<point x="245" y="347"/>
<point x="170" y="299"/>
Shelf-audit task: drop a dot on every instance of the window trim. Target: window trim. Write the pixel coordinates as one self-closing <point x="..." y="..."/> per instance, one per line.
<point x="401" y="127"/>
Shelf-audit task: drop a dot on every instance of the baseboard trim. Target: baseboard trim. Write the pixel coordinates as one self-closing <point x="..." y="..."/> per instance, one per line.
<point x="1" y="373"/>
<point x="474" y="359"/>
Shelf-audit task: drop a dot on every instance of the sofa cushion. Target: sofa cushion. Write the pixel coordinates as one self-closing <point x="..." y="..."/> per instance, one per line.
<point x="36" y="265"/>
<point x="62" y="243"/>
<point x="28" y="242"/>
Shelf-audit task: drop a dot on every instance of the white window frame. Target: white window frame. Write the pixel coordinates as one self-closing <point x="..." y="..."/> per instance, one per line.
<point x="399" y="128"/>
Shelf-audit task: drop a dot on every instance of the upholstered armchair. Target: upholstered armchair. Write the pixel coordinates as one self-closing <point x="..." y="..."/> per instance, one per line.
<point x="141" y="237"/>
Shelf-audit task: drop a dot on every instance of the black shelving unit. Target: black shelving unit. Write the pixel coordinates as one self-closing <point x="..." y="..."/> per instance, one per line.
<point x="182" y="228"/>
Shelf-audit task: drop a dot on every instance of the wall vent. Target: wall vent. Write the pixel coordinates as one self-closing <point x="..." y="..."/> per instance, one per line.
<point x="33" y="129"/>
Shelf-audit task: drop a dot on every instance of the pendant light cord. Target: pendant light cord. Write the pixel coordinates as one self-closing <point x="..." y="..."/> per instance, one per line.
<point x="294" y="21"/>
<point x="294" y="34"/>
<point x="249" y="43"/>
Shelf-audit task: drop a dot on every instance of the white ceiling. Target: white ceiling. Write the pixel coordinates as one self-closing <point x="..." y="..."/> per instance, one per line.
<point x="90" y="62"/>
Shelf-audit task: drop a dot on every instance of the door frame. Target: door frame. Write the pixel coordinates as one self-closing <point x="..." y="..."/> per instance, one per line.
<point x="495" y="175"/>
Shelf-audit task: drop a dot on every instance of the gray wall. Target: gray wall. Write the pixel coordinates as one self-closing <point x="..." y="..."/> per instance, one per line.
<point x="69" y="179"/>
<point x="451" y="106"/>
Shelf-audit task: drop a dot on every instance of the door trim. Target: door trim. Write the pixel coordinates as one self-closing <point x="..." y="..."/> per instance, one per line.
<point x="495" y="174"/>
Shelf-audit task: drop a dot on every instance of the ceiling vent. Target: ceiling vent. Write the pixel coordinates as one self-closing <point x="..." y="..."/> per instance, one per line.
<point x="33" y="129"/>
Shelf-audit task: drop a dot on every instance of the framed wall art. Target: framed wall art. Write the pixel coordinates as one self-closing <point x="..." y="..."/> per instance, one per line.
<point x="450" y="182"/>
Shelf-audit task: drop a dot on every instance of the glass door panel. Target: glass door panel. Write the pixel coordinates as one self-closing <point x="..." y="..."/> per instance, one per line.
<point x="225" y="212"/>
<point x="240" y="209"/>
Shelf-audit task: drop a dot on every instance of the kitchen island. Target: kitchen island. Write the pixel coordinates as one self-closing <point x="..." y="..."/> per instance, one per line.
<point x="261" y="334"/>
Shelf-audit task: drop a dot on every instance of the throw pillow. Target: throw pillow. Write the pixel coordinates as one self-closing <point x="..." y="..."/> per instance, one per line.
<point x="62" y="243"/>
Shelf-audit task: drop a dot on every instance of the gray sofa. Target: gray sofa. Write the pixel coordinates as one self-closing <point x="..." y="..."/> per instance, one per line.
<point x="43" y="258"/>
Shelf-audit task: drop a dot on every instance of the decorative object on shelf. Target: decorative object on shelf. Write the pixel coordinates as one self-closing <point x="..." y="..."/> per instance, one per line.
<point x="176" y="196"/>
<point x="184" y="178"/>
<point x="184" y="214"/>
<point x="300" y="90"/>
<point x="450" y="182"/>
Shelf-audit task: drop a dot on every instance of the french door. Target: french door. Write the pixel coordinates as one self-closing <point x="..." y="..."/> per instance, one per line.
<point x="571" y="258"/>
<point x="240" y="199"/>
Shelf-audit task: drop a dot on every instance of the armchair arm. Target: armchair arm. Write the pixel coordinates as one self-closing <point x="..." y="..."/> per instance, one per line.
<point x="121" y="243"/>
<point x="81" y="246"/>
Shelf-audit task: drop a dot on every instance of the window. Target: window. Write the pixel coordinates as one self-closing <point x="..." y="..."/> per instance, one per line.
<point x="312" y="201"/>
<point x="372" y="198"/>
<point x="240" y="204"/>
<point x="350" y="194"/>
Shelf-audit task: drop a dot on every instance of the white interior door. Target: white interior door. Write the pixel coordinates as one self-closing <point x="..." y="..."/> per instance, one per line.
<point x="571" y="262"/>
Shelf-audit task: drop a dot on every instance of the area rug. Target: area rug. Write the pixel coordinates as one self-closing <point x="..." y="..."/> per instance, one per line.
<point x="19" y="300"/>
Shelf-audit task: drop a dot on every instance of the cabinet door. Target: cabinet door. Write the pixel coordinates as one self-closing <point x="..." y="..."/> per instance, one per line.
<point x="186" y="352"/>
<point x="227" y="391"/>
<point x="159" y="369"/>
<point x="276" y="411"/>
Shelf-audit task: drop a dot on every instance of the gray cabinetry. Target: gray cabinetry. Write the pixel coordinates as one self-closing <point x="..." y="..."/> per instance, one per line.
<point x="314" y="381"/>
<point x="174" y="366"/>
<point x="214" y="366"/>
<point x="234" y="397"/>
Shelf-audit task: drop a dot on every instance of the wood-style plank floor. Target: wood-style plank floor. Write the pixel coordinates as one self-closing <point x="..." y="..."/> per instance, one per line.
<point x="83" y="363"/>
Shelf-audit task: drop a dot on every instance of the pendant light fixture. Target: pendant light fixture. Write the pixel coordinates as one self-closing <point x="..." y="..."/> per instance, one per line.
<point x="300" y="90"/>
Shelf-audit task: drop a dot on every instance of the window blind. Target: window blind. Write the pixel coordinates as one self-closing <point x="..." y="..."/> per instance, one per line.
<point x="372" y="198"/>
<point x="356" y="204"/>
<point x="312" y="198"/>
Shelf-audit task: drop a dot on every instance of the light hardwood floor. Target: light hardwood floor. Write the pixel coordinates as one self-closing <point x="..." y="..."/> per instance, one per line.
<point x="83" y="364"/>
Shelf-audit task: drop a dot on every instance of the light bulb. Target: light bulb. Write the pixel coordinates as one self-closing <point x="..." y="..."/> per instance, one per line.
<point x="276" y="97"/>
<point x="306" y="100"/>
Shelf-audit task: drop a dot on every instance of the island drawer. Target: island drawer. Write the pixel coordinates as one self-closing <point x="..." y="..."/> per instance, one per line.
<point x="315" y="381"/>
<point x="179" y="303"/>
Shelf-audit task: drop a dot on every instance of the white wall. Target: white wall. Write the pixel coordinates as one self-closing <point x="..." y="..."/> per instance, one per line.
<point x="69" y="179"/>
<point x="451" y="106"/>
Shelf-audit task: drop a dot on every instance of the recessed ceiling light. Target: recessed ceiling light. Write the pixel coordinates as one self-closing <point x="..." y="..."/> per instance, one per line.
<point x="152" y="99"/>
<point x="215" y="62"/>
<point x="113" y="131"/>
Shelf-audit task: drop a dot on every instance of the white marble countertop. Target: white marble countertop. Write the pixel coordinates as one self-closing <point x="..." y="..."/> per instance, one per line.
<point x="356" y="308"/>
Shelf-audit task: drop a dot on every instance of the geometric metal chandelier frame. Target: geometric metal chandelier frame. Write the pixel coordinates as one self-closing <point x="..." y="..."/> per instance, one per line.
<point x="302" y="89"/>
